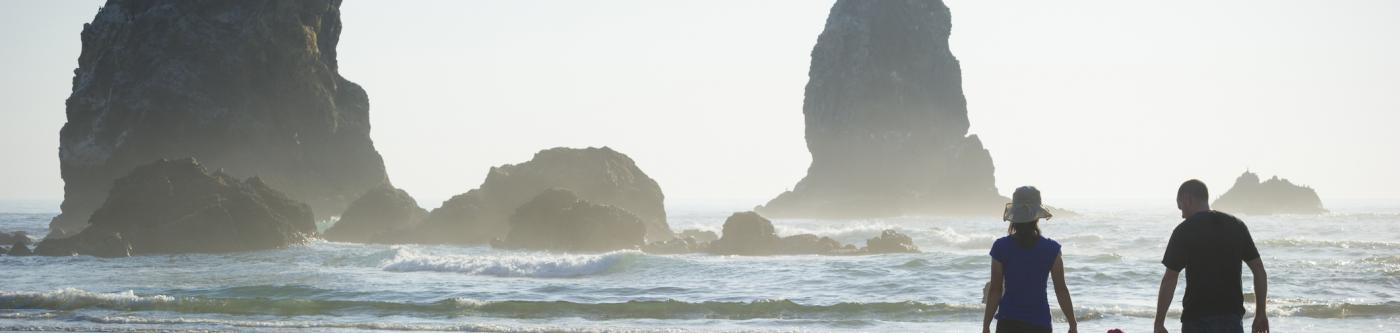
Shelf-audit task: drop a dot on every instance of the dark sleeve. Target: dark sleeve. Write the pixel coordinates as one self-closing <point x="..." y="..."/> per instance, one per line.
<point x="1247" y="250"/>
<point x="1175" y="257"/>
<point x="997" y="251"/>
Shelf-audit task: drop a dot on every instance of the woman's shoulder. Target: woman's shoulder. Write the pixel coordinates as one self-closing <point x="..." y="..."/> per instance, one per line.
<point x="1004" y="240"/>
<point x="1002" y="243"/>
<point x="1050" y="243"/>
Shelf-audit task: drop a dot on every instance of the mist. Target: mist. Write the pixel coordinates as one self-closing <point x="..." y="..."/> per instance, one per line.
<point x="1089" y="100"/>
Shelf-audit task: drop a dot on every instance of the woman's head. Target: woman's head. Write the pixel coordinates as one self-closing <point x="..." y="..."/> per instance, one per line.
<point x="1024" y="212"/>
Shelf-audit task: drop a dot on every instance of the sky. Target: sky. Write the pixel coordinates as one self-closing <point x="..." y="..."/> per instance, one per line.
<point x="1090" y="100"/>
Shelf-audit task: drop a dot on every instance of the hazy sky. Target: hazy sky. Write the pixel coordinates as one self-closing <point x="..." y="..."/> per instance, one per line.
<point x="1089" y="100"/>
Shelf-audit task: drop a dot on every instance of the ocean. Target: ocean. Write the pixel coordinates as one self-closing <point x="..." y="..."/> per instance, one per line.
<point x="1338" y="272"/>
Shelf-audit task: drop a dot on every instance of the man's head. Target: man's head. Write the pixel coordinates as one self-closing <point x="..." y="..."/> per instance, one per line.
<point x="1192" y="197"/>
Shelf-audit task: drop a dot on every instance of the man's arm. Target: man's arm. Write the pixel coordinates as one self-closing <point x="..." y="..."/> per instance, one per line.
<point x="993" y="296"/>
<point x="1164" y="299"/>
<point x="1261" y="295"/>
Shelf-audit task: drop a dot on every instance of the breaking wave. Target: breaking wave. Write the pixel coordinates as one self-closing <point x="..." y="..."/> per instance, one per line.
<point x="1305" y="243"/>
<point x="512" y="264"/>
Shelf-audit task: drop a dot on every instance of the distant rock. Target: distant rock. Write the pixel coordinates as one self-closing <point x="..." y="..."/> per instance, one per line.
<point x="19" y="245"/>
<point x="597" y="175"/>
<point x="698" y="235"/>
<point x="886" y="120"/>
<point x="749" y="234"/>
<point x="558" y="220"/>
<point x="97" y="244"/>
<point x="7" y="238"/>
<point x="462" y="219"/>
<point x="19" y="250"/>
<point x="1273" y="196"/>
<point x="812" y="244"/>
<point x="176" y="206"/>
<point x="375" y="215"/>
<point x="248" y="87"/>
<point x="687" y="241"/>
<point x="746" y="233"/>
<point x="677" y="246"/>
<point x="891" y="241"/>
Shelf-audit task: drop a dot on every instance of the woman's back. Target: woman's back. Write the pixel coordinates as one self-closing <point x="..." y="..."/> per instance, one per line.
<point x="1026" y="271"/>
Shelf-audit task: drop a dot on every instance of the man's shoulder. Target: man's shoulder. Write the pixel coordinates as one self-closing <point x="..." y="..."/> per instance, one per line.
<point x="1184" y="225"/>
<point x="1211" y="217"/>
<point x="1236" y="223"/>
<point x="1223" y="216"/>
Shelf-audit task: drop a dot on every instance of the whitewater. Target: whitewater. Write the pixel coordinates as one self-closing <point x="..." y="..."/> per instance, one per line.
<point x="1338" y="272"/>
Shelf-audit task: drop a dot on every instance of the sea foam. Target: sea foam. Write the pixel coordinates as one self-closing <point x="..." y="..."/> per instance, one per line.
<point x="70" y="298"/>
<point x="511" y="264"/>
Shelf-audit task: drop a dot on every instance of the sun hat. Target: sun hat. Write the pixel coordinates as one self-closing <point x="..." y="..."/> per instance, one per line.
<point x="1025" y="206"/>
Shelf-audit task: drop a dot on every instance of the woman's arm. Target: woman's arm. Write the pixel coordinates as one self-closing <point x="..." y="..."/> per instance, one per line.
<point x="1057" y="272"/>
<point x="1164" y="299"/>
<point x="993" y="296"/>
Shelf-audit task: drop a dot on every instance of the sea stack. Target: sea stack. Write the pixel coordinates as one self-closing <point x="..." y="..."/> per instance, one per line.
<point x="596" y="175"/>
<point x="177" y="206"/>
<point x="886" y="120"/>
<point x="1273" y="196"/>
<point x="249" y="87"/>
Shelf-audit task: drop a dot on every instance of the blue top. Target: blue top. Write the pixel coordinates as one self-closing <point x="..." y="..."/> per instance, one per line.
<point x="1026" y="271"/>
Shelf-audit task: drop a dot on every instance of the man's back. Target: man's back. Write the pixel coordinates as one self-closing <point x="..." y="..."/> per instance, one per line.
<point x="1210" y="246"/>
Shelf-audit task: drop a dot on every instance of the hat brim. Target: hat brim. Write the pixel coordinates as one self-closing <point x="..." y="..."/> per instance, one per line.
<point x="1024" y="213"/>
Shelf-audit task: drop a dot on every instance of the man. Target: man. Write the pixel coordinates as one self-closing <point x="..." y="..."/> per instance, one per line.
<point x="1210" y="245"/>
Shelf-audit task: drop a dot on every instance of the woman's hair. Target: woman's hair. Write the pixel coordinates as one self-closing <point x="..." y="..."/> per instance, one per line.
<point x="1026" y="234"/>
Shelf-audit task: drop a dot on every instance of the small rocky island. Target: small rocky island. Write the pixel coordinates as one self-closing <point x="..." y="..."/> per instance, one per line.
<point x="1273" y="196"/>
<point x="177" y="206"/>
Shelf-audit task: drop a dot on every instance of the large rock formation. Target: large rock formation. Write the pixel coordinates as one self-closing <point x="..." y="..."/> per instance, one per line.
<point x="886" y="120"/>
<point x="1273" y="196"/>
<point x="558" y="220"/>
<point x="375" y="215"/>
<point x="176" y="206"/>
<point x="247" y="86"/>
<point x="598" y="175"/>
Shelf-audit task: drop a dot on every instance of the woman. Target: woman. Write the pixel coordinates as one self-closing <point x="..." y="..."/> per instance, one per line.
<point x="1022" y="261"/>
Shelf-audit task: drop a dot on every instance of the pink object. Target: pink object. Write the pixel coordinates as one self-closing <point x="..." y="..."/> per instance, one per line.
<point x="1115" y="331"/>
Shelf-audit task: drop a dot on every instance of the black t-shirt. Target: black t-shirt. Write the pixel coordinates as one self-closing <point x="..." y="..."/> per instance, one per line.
<point x="1211" y="247"/>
